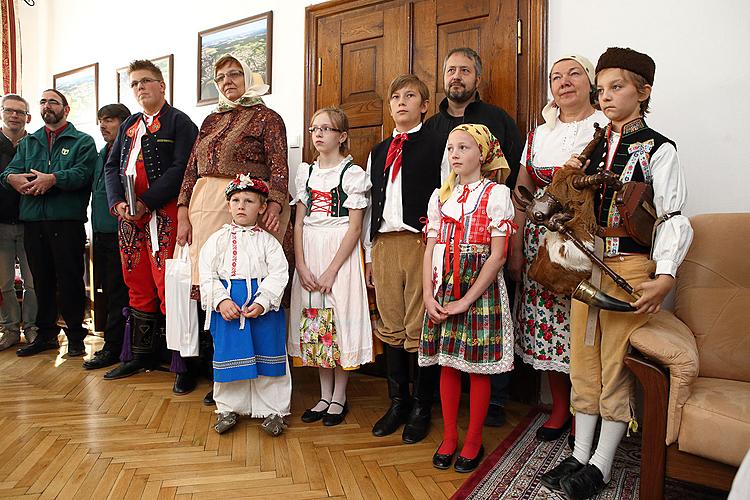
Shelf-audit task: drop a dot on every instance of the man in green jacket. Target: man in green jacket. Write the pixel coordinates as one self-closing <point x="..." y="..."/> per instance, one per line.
<point x="106" y="249"/>
<point x="52" y="171"/>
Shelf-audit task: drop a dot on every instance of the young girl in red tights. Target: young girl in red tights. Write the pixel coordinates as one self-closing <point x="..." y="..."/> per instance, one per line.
<point x="467" y="326"/>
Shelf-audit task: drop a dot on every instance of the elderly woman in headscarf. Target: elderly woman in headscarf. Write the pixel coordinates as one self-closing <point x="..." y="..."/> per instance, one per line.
<point x="542" y="327"/>
<point x="242" y="136"/>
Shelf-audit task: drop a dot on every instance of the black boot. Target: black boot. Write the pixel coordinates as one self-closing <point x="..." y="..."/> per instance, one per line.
<point x="418" y="425"/>
<point x="185" y="381"/>
<point x="142" y="335"/>
<point x="397" y="369"/>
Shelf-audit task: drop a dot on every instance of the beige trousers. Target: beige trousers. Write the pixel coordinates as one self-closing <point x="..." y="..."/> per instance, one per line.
<point x="602" y="385"/>
<point x="397" y="272"/>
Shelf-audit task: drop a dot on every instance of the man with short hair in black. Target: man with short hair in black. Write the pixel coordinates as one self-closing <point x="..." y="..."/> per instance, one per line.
<point x="462" y="72"/>
<point x="106" y="251"/>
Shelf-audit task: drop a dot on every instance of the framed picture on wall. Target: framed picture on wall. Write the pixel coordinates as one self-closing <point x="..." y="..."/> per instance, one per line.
<point x="248" y="39"/>
<point x="80" y="87"/>
<point x="125" y="94"/>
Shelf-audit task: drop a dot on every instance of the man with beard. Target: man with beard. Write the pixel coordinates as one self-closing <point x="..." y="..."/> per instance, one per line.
<point x="15" y="114"/>
<point x="143" y="175"/>
<point x="52" y="171"/>
<point x="462" y="72"/>
<point x="107" y="267"/>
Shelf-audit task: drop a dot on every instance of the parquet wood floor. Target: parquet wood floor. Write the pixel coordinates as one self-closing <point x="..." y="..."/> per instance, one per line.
<point x="68" y="433"/>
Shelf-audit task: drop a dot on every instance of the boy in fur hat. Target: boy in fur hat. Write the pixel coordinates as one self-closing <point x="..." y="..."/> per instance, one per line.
<point x="602" y="385"/>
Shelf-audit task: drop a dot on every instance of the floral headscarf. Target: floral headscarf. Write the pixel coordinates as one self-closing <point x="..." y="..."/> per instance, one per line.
<point x="491" y="157"/>
<point x="254" y="86"/>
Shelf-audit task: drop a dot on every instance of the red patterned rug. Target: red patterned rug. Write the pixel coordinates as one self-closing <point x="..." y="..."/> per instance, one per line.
<point x="514" y="468"/>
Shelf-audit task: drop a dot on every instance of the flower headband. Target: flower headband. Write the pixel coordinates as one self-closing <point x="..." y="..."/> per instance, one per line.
<point x="244" y="182"/>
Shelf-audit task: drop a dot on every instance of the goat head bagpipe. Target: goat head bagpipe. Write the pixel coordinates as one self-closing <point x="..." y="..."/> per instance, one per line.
<point x="566" y="253"/>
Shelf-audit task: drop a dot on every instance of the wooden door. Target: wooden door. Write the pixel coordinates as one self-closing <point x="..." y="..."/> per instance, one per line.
<point x="355" y="48"/>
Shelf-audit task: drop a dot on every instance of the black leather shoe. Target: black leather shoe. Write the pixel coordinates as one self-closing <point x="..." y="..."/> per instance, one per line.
<point x="126" y="369"/>
<point x="76" y="349"/>
<point x="495" y="416"/>
<point x="551" y="478"/>
<point x="36" y="347"/>
<point x="585" y="483"/>
<point x="551" y="433"/>
<point x="418" y="425"/>
<point x="396" y="415"/>
<point x="442" y="461"/>
<point x="208" y="399"/>
<point x="464" y="464"/>
<point x="331" y="419"/>
<point x="184" y="383"/>
<point x="310" y="415"/>
<point x="101" y="359"/>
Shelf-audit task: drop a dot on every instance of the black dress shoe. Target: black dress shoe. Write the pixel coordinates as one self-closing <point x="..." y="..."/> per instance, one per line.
<point x="184" y="383"/>
<point x="76" y="349"/>
<point x="126" y="369"/>
<point x="464" y="464"/>
<point x="396" y="415"/>
<point x="495" y="416"/>
<point x="551" y="433"/>
<point x="418" y="425"/>
<point x="551" y="478"/>
<point x="310" y="415"/>
<point x="585" y="483"/>
<point x="208" y="399"/>
<point x="101" y="359"/>
<point x="442" y="461"/>
<point x="331" y="419"/>
<point x="36" y="347"/>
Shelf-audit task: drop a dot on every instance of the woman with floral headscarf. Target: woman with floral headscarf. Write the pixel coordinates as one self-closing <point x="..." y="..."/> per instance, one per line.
<point x="242" y="136"/>
<point x="467" y="324"/>
<point x="542" y="327"/>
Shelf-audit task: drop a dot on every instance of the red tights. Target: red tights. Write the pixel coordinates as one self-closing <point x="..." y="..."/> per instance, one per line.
<point x="450" y="397"/>
<point x="559" y="385"/>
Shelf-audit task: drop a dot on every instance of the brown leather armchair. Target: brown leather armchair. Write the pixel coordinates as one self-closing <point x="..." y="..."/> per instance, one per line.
<point x="694" y="364"/>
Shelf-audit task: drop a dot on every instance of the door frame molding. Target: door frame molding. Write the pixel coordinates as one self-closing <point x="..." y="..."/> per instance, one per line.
<point x="532" y="63"/>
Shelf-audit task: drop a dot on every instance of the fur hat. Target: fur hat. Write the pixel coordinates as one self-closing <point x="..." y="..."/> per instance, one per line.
<point x="629" y="59"/>
<point x="246" y="183"/>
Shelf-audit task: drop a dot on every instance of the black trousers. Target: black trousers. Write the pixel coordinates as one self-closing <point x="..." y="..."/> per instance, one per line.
<point x="108" y="276"/>
<point x="55" y="251"/>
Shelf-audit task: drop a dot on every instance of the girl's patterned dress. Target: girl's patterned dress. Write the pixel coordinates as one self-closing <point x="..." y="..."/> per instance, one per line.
<point x="481" y="339"/>
<point x="542" y="318"/>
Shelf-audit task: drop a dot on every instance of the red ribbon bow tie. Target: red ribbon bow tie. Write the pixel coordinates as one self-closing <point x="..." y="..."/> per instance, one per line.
<point x="393" y="158"/>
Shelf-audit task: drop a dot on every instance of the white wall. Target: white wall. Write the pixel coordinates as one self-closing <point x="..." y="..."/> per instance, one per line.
<point x="700" y="88"/>
<point x="699" y="48"/>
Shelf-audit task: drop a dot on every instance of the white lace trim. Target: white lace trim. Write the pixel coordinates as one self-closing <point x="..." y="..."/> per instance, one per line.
<point x="544" y="365"/>
<point x="495" y="367"/>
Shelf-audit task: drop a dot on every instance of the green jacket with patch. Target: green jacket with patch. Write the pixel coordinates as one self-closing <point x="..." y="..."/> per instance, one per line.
<point x="72" y="160"/>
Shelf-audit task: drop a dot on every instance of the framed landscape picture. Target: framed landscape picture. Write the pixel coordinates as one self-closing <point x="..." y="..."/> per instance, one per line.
<point x="248" y="39"/>
<point x="125" y="94"/>
<point x="80" y="87"/>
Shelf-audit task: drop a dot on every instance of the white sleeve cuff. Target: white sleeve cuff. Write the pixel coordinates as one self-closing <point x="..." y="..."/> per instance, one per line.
<point x="666" y="267"/>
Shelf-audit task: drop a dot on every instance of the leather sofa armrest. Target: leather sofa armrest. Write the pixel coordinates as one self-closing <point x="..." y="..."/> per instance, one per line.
<point x="667" y="340"/>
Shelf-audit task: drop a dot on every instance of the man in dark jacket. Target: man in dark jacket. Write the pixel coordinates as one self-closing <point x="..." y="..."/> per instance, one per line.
<point x="15" y="115"/>
<point x="52" y="171"/>
<point x="462" y="72"/>
<point x="144" y="173"/>
<point x="106" y="252"/>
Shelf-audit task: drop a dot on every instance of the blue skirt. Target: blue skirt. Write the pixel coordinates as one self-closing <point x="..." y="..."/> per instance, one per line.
<point x="258" y="349"/>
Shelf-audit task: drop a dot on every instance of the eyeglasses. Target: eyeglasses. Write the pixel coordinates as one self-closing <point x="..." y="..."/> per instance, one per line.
<point x="51" y="102"/>
<point x="325" y="130"/>
<point x="232" y="75"/>
<point x="12" y="111"/>
<point x="144" y="81"/>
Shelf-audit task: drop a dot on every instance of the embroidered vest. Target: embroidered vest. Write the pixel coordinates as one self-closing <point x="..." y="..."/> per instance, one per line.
<point x="331" y="202"/>
<point x="631" y="162"/>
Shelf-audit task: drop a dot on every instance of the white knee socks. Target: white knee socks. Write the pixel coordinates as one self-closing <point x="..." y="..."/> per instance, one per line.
<point x="585" y="429"/>
<point x="609" y="439"/>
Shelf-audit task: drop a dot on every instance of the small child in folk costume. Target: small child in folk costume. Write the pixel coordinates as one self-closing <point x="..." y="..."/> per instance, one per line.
<point x="243" y="273"/>
<point x="331" y="200"/>
<point x="602" y="385"/>
<point x="467" y="324"/>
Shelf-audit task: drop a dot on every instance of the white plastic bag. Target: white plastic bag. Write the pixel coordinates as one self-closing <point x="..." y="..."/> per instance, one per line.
<point x="182" y="311"/>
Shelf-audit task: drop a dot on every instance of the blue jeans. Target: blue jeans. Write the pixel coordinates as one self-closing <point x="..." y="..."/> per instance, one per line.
<point x="11" y="248"/>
